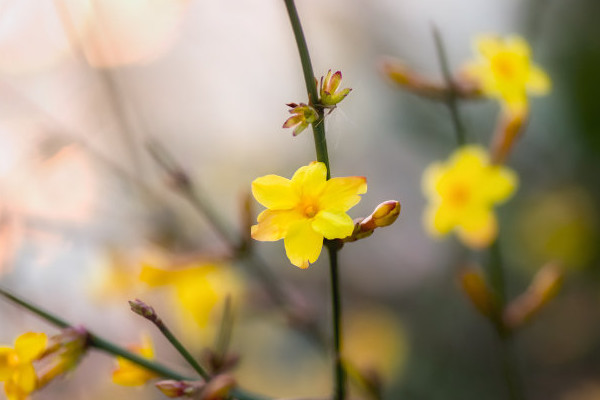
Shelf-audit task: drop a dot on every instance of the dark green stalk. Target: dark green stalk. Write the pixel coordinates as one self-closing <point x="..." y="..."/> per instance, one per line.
<point x="311" y="86"/>
<point x="451" y="97"/>
<point x="338" y="368"/>
<point x="509" y="362"/>
<point x="322" y="156"/>
<point x="106" y="346"/>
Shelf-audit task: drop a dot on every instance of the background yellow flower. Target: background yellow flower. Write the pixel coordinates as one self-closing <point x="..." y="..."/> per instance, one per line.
<point x="462" y="193"/>
<point x="505" y="71"/>
<point x="130" y="374"/>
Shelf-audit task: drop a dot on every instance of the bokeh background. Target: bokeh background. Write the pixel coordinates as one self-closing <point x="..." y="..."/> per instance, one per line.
<point x="85" y="85"/>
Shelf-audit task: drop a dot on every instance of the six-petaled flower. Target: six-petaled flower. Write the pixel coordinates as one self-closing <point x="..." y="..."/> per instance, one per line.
<point x="462" y="192"/>
<point x="306" y="209"/>
<point x="504" y="70"/>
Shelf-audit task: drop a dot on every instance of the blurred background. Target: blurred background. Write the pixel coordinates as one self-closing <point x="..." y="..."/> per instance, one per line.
<point x="89" y="220"/>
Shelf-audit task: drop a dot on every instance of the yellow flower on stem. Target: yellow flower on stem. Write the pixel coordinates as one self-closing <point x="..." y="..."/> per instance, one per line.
<point x="462" y="193"/>
<point x="303" y="115"/>
<point x="305" y="209"/>
<point x="504" y="70"/>
<point x="128" y="373"/>
<point x="16" y="365"/>
<point x="328" y="89"/>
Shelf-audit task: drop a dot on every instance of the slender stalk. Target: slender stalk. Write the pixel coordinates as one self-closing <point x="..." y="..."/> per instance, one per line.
<point x="111" y="348"/>
<point x="322" y="156"/>
<point x="509" y="362"/>
<point x="451" y="98"/>
<point x="338" y="368"/>
<point x="311" y="85"/>
<point x="141" y="308"/>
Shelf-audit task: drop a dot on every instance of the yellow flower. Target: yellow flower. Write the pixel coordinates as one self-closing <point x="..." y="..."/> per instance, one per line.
<point x="328" y="89"/>
<point x="16" y="365"/>
<point x="198" y="289"/>
<point x="131" y="374"/>
<point x="462" y="192"/>
<point x="303" y="115"/>
<point x="505" y="71"/>
<point x="305" y="209"/>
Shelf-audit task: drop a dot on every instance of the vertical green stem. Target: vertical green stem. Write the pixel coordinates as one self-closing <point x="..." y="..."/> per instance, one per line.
<point x="338" y="368"/>
<point x="451" y="98"/>
<point x="311" y="86"/>
<point x="322" y="156"/>
<point x="509" y="362"/>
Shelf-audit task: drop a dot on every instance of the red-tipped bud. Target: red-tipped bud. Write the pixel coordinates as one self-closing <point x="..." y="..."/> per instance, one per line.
<point x="384" y="214"/>
<point x="174" y="389"/>
<point x="143" y="309"/>
<point x="328" y="89"/>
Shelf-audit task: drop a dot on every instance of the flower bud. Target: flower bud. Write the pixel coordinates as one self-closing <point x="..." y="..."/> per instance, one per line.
<point x="143" y="309"/>
<point x="303" y="115"/>
<point x="474" y="285"/>
<point x="508" y="130"/>
<point x="384" y="214"/>
<point x="63" y="353"/>
<point x="409" y="79"/>
<point x="218" y="388"/>
<point x="544" y="287"/>
<point x="328" y="89"/>
<point x="174" y="389"/>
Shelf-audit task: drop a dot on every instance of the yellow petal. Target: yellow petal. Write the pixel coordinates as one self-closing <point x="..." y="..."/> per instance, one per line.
<point x="154" y="277"/>
<point x="14" y="392"/>
<point x="481" y="235"/>
<point x="538" y="82"/>
<point x="25" y="378"/>
<point x="488" y="45"/>
<point x="333" y="225"/>
<point x="274" y="192"/>
<point x="8" y="360"/>
<point x="432" y="176"/>
<point x="274" y="225"/>
<point x="303" y="244"/>
<point x="342" y="193"/>
<point x="30" y="345"/>
<point x="499" y="184"/>
<point x="310" y="180"/>
<point x="518" y="46"/>
<point x="439" y="219"/>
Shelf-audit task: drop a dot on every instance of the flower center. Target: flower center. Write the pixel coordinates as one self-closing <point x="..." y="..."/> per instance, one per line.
<point x="459" y="195"/>
<point x="310" y="211"/>
<point x="505" y="67"/>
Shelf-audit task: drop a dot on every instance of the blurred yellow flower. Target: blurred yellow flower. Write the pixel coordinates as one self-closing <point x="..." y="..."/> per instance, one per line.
<point x="462" y="193"/>
<point x="198" y="289"/>
<point x="305" y="209"/>
<point x="505" y="71"/>
<point x="16" y="365"/>
<point x="131" y="374"/>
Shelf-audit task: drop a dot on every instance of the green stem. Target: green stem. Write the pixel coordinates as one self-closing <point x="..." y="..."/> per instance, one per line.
<point x="451" y="98"/>
<point x="311" y="86"/>
<point x="182" y="350"/>
<point x="322" y="156"/>
<point x="106" y="346"/>
<point x="509" y="362"/>
<point x="338" y="368"/>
